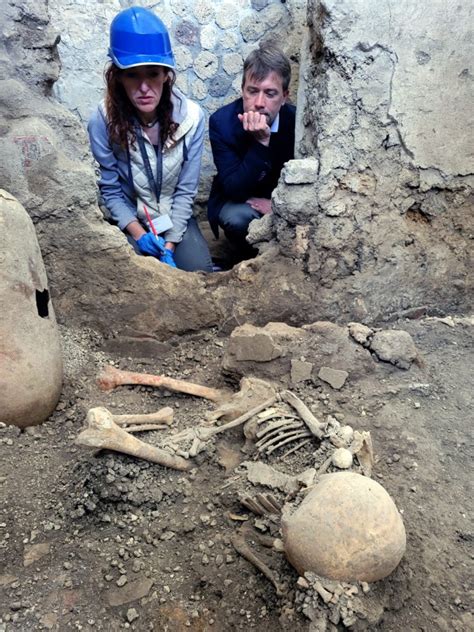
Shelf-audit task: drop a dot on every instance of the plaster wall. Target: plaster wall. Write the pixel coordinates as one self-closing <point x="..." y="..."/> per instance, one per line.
<point x="382" y="217"/>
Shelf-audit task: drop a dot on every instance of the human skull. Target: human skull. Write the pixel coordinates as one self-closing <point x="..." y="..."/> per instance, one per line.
<point x="347" y="528"/>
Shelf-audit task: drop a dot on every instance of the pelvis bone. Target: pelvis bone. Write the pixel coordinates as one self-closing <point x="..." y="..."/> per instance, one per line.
<point x="103" y="433"/>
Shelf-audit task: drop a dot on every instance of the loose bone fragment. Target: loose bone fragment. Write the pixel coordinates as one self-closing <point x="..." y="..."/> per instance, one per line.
<point x="362" y="448"/>
<point x="103" y="433"/>
<point x="252" y="391"/>
<point x="203" y="433"/>
<point x="315" y="427"/>
<point x="111" y="377"/>
<point x="241" y="546"/>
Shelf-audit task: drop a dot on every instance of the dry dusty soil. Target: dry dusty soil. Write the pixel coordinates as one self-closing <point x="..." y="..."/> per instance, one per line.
<point x="108" y="542"/>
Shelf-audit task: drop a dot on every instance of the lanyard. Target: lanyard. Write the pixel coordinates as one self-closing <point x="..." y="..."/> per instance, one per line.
<point x="155" y="183"/>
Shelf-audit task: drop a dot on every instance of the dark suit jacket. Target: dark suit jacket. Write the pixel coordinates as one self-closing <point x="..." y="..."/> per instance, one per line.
<point x="245" y="167"/>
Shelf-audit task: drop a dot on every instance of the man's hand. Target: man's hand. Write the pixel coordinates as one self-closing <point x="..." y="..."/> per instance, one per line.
<point x="257" y="125"/>
<point x="262" y="205"/>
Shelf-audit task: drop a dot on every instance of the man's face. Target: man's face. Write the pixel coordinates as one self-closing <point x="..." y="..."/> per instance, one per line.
<point x="265" y="96"/>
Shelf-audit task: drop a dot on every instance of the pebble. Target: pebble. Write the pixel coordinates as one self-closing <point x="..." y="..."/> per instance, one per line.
<point x="121" y="581"/>
<point x="132" y="614"/>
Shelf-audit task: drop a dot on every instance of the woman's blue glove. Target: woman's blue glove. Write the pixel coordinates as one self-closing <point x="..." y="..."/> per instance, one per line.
<point x="152" y="245"/>
<point x="168" y="258"/>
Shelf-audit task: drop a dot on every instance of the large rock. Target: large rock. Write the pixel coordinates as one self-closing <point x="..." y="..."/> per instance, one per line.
<point x="347" y="528"/>
<point x="31" y="368"/>
<point x="276" y="350"/>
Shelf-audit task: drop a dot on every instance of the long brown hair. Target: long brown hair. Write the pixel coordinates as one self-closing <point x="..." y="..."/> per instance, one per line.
<point x="120" y="112"/>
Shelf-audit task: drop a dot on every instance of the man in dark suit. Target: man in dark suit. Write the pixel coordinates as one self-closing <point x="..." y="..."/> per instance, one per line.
<point x="251" y="139"/>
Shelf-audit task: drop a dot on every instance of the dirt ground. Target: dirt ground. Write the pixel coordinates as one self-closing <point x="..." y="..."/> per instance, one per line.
<point x="108" y="542"/>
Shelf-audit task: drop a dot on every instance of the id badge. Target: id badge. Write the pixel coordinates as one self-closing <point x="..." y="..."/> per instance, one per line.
<point x="162" y="223"/>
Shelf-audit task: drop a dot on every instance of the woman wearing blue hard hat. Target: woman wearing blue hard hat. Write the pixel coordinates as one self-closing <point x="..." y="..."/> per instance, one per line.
<point x="147" y="138"/>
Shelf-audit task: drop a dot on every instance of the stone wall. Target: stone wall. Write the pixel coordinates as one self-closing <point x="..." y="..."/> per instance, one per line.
<point x="210" y="41"/>
<point x="381" y="217"/>
<point x="373" y="221"/>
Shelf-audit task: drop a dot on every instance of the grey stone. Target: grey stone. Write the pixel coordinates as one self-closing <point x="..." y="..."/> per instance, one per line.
<point x="203" y="11"/>
<point x="183" y="57"/>
<point x="232" y="63"/>
<point x="260" y="229"/>
<point x="259" y="473"/>
<point x="132" y="591"/>
<point x="360" y="333"/>
<point x="258" y="5"/>
<point x="209" y="37"/>
<point x="220" y="86"/>
<point x="199" y="89"/>
<point x="300" y="371"/>
<point x="274" y="14"/>
<point x="252" y="343"/>
<point x="394" y="346"/>
<point x="302" y="171"/>
<point x="35" y="552"/>
<point x="226" y="16"/>
<point x="252" y="28"/>
<point x="206" y="65"/>
<point x="334" y="377"/>
<point x="132" y="615"/>
<point x="187" y="33"/>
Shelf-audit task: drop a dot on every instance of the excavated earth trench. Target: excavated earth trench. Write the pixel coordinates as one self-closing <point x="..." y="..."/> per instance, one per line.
<point x="363" y="229"/>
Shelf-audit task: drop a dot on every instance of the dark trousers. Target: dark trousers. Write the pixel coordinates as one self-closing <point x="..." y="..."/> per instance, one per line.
<point x="234" y="219"/>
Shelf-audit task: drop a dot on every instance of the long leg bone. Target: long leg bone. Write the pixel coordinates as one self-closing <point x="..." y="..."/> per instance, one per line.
<point x="145" y="427"/>
<point x="112" y="377"/>
<point x="241" y="546"/>
<point x="162" y="416"/>
<point x="103" y="433"/>
<point x="316" y="427"/>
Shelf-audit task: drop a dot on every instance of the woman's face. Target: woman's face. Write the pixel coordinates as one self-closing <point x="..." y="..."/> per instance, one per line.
<point x="144" y="87"/>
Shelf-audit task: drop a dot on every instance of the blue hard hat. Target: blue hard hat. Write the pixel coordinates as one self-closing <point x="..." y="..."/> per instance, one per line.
<point x="139" y="38"/>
